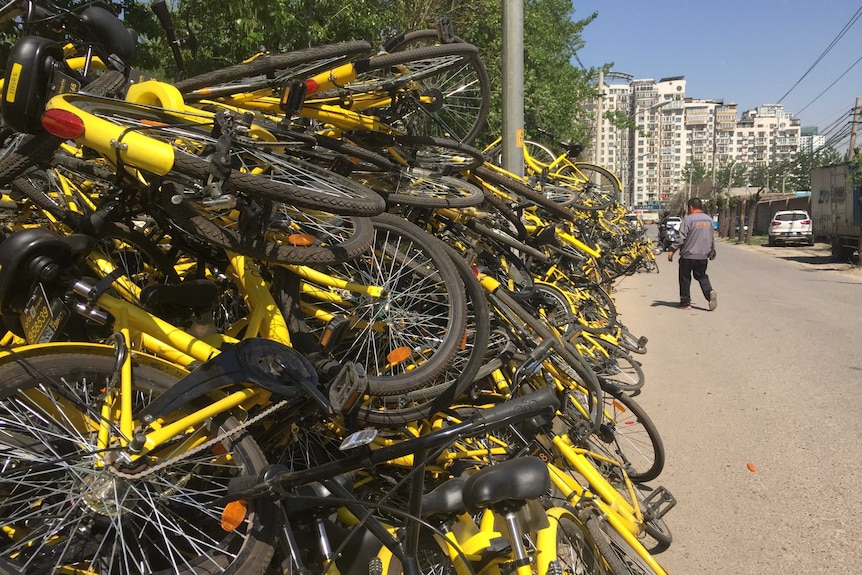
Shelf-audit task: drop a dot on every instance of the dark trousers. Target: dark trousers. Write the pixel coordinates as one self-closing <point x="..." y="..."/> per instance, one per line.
<point x="687" y="269"/>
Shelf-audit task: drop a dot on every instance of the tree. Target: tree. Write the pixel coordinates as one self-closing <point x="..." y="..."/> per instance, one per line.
<point x="730" y="174"/>
<point x="694" y="174"/>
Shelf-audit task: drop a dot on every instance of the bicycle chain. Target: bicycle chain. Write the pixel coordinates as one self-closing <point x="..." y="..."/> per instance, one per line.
<point x="202" y="446"/>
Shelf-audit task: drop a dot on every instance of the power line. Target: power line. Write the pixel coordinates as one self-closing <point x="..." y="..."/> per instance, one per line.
<point x="836" y="125"/>
<point x="831" y="45"/>
<point x="829" y="86"/>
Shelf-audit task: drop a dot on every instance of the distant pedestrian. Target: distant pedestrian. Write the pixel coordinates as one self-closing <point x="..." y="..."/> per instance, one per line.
<point x="695" y="242"/>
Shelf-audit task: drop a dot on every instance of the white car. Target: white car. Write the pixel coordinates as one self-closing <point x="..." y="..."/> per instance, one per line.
<point x="790" y="226"/>
<point x="674" y="222"/>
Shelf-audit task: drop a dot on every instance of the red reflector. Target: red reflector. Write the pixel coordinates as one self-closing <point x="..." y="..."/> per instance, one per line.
<point x="311" y="87"/>
<point x="63" y="124"/>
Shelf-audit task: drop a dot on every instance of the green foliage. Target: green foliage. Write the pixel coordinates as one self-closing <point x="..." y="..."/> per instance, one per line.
<point x="730" y="174"/>
<point x="216" y="33"/>
<point x="622" y="121"/>
<point x="695" y="172"/>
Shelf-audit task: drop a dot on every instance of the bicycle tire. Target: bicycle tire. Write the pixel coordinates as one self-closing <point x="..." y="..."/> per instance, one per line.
<point x="327" y="245"/>
<point x="407" y="337"/>
<point x="631" y="343"/>
<point x="563" y="352"/>
<point x="452" y="75"/>
<point x="35" y="149"/>
<point x="170" y="526"/>
<point x="517" y="187"/>
<point x="656" y="536"/>
<point x="631" y="437"/>
<point x="552" y="304"/>
<point x="419" y="187"/>
<point x="579" y="546"/>
<point x="619" y="369"/>
<point x="445" y="155"/>
<point x="462" y="370"/>
<point x="297" y="64"/>
<point x="280" y="178"/>
<point x="617" y="553"/>
<point x="601" y="190"/>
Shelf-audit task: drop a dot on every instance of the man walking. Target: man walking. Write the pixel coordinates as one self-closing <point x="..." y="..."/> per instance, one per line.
<point x="695" y="242"/>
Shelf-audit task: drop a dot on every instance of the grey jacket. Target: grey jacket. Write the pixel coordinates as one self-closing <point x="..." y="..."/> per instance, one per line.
<point x="695" y="238"/>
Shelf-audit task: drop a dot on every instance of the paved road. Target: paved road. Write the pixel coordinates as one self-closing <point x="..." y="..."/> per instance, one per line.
<point x="771" y="378"/>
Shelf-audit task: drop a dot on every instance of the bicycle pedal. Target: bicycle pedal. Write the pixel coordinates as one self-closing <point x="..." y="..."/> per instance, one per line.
<point x="333" y="333"/>
<point x="348" y="387"/>
<point x="658" y="503"/>
<point x="293" y="94"/>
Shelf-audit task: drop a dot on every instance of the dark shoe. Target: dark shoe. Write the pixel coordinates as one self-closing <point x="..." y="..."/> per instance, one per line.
<point x="684" y="305"/>
<point x="713" y="300"/>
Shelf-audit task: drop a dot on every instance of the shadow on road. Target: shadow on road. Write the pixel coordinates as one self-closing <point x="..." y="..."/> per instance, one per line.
<point x="660" y="303"/>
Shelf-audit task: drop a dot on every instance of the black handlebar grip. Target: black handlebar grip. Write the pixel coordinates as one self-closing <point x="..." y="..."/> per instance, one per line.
<point x="543" y="401"/>
<point x="160" y="9"/>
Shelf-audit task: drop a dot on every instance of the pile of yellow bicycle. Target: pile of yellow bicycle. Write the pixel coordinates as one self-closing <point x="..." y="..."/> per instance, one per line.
<point x="283" y="316"/>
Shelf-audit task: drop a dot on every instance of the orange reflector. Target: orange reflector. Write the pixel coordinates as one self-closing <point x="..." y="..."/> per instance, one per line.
<point x="751" y="467"/>
<point x="233" y="515"/>
<point x="301" y="239"/>
<point x="152" y="123"/>
<point x="620" y="407"/>
<point x="398" y="354"/>
<point x="63" y="124"/>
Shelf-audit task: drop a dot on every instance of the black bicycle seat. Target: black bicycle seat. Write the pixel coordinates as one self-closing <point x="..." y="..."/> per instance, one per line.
<point x="573" y="148"/>
<point x="32" y="255"/>
<point x="513" y="481"/>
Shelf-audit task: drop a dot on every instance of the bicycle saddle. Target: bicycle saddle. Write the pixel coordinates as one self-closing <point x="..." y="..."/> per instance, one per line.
<point x="33" y="255"/>
<point x="512" y="481"/>
<point x="573" y="148"/>
<point x="446" y="499"/>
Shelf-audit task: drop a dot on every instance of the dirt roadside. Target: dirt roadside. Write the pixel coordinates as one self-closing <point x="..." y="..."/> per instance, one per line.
<point x="818" y="256"/>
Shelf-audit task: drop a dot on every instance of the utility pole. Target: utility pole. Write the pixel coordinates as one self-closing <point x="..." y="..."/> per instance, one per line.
<point x="513" y="86"/>
<point x="851" y="151"/>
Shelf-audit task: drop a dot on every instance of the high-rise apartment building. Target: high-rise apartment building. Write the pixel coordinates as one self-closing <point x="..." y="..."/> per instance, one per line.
<point x="811" y="140"/>
<point x="674" y="131"/>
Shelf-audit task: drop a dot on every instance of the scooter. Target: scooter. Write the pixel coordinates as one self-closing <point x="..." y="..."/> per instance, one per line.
<point x="667" y="237"/>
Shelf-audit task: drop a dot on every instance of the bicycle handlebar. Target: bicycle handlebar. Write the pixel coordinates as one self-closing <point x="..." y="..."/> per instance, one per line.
<point x="545" y="401"/>
<point x="160" y="9"/>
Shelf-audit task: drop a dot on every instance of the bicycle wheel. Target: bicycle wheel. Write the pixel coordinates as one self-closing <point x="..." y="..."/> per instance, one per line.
<point x="630" y="342"/>
<point x="66" y="508"/>
<point x="459" y="374"/>
<point x="407" y="335"/>
<point x="617" y="368"/>
<point x="599" y="187"/>
<point x="579" y="547"/>
<point x="551" y="304"/>
<point x="521" y="191"/>
<point x="621" y="557"/>
<point x="438" y="90"/>
<point x="255" y="169"/>
<point x="421" y="188"/>
<point x="270" y="70"/>
<point x="628" y="435"/>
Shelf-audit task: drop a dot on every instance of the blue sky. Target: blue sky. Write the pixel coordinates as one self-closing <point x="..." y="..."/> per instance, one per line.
<point x="748" y="52"/>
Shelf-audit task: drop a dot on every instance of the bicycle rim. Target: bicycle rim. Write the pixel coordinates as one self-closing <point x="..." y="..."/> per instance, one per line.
<point x="65" y="510"/>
